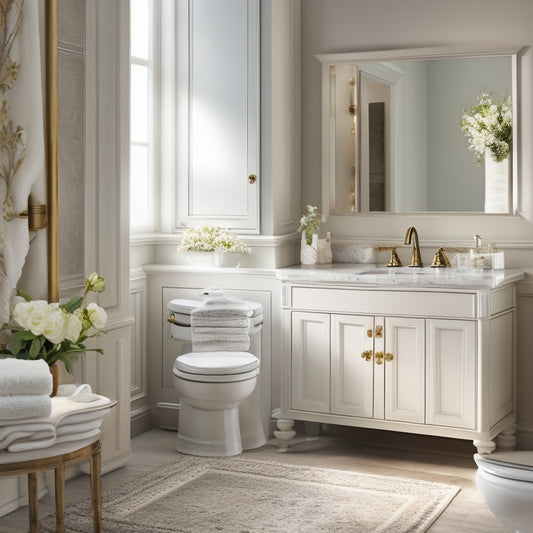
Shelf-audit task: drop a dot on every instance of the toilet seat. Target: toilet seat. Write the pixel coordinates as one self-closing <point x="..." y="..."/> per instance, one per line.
<point x="216" y="367"/>
<point x="514" y="465"/>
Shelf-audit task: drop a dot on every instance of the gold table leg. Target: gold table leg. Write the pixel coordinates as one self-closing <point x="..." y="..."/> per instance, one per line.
<point x="96" y="490"/>
<point x="60" y="498"/>
<point x="33" y="501"/>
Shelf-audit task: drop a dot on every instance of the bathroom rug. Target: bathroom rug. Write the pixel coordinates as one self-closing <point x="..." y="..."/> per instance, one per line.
<point x="239" y="495"/>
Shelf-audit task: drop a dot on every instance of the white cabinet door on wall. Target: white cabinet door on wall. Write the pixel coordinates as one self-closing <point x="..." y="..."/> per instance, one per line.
<point x="310" y="362"/>
<point x="451" y="360"/>
<point x="218" y="114"/>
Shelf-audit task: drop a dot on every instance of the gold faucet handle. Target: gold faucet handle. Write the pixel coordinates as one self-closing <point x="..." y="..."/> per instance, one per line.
<point x="394" y="260"/>
<point x="440" y="260"/>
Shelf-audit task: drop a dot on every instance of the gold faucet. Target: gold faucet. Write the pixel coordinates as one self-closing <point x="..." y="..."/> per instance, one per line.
<point x="416" y="260"/>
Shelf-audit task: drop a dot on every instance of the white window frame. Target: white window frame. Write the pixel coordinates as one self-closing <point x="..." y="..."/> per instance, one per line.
<point x="153" y="66"/>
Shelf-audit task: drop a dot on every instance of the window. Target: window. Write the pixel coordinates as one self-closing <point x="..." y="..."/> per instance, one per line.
<point x="142" y="76"/>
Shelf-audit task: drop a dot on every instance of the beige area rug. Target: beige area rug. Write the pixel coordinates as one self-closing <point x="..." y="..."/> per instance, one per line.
<point x="238" y="495"/>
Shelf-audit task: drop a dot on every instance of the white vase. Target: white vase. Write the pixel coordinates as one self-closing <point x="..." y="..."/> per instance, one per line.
<point x="497" y="185"/>
<point x="309" y="253"/>
<point x="199" y="258"/>
<point x="227" y="259"/>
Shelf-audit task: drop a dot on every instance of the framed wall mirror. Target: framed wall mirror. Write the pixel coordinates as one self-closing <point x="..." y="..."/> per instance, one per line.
<point x="393" y="139"/>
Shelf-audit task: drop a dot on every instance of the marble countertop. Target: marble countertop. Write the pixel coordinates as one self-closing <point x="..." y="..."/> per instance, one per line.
<point x="379" y="275"/>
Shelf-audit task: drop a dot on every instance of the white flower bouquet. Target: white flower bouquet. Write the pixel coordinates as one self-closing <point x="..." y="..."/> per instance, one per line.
<point x="52" y="331"/>
<point x="211" y="239"/>
<point x="310" y="222"/>
<point x="488" y="125"/>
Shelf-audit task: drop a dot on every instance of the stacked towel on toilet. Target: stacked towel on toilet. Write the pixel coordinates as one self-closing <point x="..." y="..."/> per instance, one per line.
<point x="30" y="419"/>
<point x="220" y="324"/>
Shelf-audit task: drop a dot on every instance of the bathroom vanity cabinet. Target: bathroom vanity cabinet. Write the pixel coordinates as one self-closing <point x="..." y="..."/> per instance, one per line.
<point x="435" y="360"/>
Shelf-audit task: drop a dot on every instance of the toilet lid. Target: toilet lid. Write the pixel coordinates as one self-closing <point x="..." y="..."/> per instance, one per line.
<point x="216" y="363"/>
<point x="511" y="465"/>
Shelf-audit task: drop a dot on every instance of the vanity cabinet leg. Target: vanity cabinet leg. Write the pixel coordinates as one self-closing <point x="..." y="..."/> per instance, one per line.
<point x="485" y="446"/>
<point x="506" y="440"/>
<point x="284" y="433"/>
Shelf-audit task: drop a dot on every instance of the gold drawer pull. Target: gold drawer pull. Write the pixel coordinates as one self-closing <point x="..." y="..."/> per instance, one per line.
<point x="389" y="357"/>
<point x="379" y="357"/>
<point x="367" y="355"/>
<point x="379" y="332"/>
<point x="369" y="333"/>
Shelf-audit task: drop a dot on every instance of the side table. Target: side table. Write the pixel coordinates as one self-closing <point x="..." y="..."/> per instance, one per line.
<point x="56" y="458"/>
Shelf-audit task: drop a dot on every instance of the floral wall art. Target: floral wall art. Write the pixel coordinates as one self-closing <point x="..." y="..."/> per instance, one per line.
<point x="22" y="167"/>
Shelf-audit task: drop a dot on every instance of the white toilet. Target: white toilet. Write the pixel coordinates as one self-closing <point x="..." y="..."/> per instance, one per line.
<point x="220" y="409"/>
<point x="505" y="479"/>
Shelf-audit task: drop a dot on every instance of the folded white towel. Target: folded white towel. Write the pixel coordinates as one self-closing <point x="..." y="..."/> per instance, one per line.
<point x="223" y="301"/>
<point x="25" y="406"/>
<point x="25" y="377"/>
<point x="79" y="427"/>
<point x="72" y="437"/>
<point x="217" y="346"/>
<point x="83" y="416"/>
<point x="18" y="432"/>
<point x="78" y="393"/>
<point x="221" y="330"/>
<point x="222" y="322"/>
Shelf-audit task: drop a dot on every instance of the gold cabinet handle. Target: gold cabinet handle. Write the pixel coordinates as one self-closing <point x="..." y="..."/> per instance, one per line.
<point x="367" y="355"/>
<point x="389" y="357"/>
<point x="379" y="332"/>
<point x="379" y="358"/>
<point x="369" y="333"/>
<point x="252" y="178"/>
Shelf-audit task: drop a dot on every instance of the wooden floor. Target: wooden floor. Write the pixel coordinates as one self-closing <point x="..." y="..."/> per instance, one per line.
<point x="390" y="454"/>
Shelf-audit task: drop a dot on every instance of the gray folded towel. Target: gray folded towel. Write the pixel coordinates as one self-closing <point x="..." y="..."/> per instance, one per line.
<point x="220" y="328"/>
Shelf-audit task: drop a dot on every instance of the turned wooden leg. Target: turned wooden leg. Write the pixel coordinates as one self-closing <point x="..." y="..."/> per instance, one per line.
<point x="96" y="490"/>
<point x="60" y="498"/>
<point x="33" y="501"/>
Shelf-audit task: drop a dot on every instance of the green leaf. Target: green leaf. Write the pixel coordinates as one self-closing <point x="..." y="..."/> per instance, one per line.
<point x="72" y="304"/>
<point x="35" y="348"/>
<point x="24" y="294"/>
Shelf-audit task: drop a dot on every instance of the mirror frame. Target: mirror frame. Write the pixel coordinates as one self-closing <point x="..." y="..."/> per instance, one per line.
<point x="51" y="149"/>
<point x="413" y="54"/>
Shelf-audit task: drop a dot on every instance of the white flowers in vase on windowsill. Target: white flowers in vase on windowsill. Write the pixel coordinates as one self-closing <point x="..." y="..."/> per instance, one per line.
<point x="216" y="246"/>
<point x="313" y="250"/>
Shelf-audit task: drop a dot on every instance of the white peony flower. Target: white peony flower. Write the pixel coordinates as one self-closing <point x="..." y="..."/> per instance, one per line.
<point x="53" y="324"/>
<point x="29" y="315"/>
<point x="73" y="328"/>
<point x="97" y="315"/>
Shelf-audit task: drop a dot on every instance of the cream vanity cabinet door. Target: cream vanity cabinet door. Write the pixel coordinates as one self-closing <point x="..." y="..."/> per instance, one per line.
<point x="404" y="368"/>
<point x="451" y="373"/>
<point x="310" y="362"/>
<point x="352" y="374"/>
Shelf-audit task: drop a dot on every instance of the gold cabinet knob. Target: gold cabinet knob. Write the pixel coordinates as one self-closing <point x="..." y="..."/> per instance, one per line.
<point x="369" y="333"/>
<point x="379" y="357"/>
<point x="379" y="332"/>
<point x="389" y="357"/>
<point x="252" y="178"/>
<point x="367" y="355"/>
